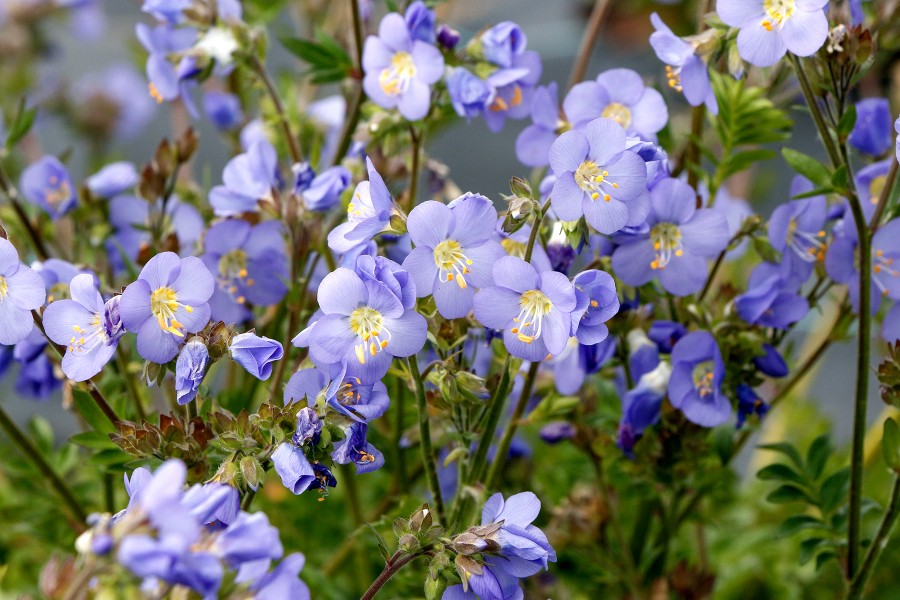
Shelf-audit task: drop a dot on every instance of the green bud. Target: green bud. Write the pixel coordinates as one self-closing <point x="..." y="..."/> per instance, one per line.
<point x="520" y="188"/>
<point x="434" y="588"/>
<point x="408" y="543"/>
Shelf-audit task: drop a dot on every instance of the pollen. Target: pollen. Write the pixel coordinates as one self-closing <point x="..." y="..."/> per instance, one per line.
<point x="666" y="244"/>
<point x="368" y="325"/>
<point x="454" y="265"/>
<point x="534" y="305"/>
<point x="396" y="77"/>
<point x="591" y="178"/>
<point x="164" y="305"/>
<point x="619" y="113"/>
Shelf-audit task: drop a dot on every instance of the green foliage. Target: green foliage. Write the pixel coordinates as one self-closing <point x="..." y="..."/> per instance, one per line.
<point x="327" y="59"/>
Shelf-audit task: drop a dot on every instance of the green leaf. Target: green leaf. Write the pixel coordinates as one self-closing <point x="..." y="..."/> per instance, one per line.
<point x="742" y="160"/>
<point x="813" y="193"/>
<point x="786" y="449"/>
<point x="92" y="439"/>
<point x="796" y="523"/>
<point x="808" y="166"/>
<point x="841" y="178"/>
<point x="834" y="490"/>
<point x="90" y="412"/>
<point x="847" y="122"/>
<point x="788" y="493"/>
<point x="382" y="545"/>
<point x="780" y="472"/>
<point x="809" y="548"/>
<point x="890" y="444"/>
<point x="42" y="434"/>
<point x="21" y="124"/>
<point x="817" y="456"/>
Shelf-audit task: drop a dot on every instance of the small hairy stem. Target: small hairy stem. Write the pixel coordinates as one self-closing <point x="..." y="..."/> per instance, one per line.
<point x="859" y="581"/>
<point x="591" y="33"/>
<point x="510" y="431"/>
<point x="397" y="562"/>
<point x="428" y="457"/>
<point x="272" y="91"/>
<point x="32" y="453"/>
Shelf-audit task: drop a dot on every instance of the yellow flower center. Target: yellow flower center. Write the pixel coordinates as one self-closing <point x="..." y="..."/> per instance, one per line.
<point x="673" y="76"/>
<point x="807" y="246"/>
<point x="454" y="265"/>
<point x="876" y="186"/>
<point x="591" y="178"/>
<point x="164" y="304"/>
<point x="666" y="239"/>
<point x="882" y="265"/>
<point x="535" y="305"/>
<point x="85" y="339"/>
<point x="4" y="288"/>
<point x="368" y="324"/>
<point x="394" y="79"/>
<point x="154" y="93"/>
<point x="58" y="192"/>
<point x="618" y="112"/>
<point x="703" y="378"/>
<point x="777" y="12"/>
<point x="232" y="272"/>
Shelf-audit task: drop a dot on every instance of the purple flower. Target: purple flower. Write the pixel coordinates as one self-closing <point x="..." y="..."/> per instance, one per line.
<point x="324" y="191"/>
<point x="533" y="144"/>
<point x="796" y="230"/>
<point x="533" y="309"/>
<point x="368" y="214"/>
<point x="293" y="467"/>
<point x="455" y="250"/>
<point x="400" y="69"/>
<point x="46" y="183"/>
<point x="347" y="395"/>
<point x="870" y="181"/>
<point x="597" y="178"/>
<point x="769" y="29"/>
<point x="676" y="248"/>
<point x="597" y="303"/>
<point x="249" y="264"/>
<point x="420" y="22"/>
<point x="168" y="300"/>
<point x="897" y="129"/>
<point x="309" y="427"/>
<point x="842" y="261"/>
<point x="223" y="109"/>
<point x="749" y="404"/>
<point x="247" y="179"/>
<point x="685" y="69"/>
<point x="872" y="132"/>
<point x="250" y="537"/>
<point x="502" y="43"/>
<point x="578" y="361"/>
<point x="356" y="449"/>
<point x="470" y="95"/>
<point x="113" y="179"/>
<point x="36" y="377"/>
<point x="283" y="581"/>
<point x="696" y="382"/>
<point x="665" y="334"/>
<point x="770" y="362"/>
<point x="557" y="431"/>
<point x="447" y="36"/>
<point x="21" y="291"/>
<point x="620" y="95"/>
<point x="88" y="328"/>
<point x="190" y="369"/>
<point x="166" y="10"/>
<point x="514" y="90"/>
<point x="365" y="324"/>
<point x="167" y="80"/>
<point x="131" y="217"/>
<point x="770" y="300"/>
<point x="641" y="406"/>
<point x="256" y="354"/>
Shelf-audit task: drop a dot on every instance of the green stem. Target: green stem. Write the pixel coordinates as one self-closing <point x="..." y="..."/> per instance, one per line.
<point x="416" y="145"/>
<point x="428" y="458"/>
<point x="396" y="562"/>
<point x="816" y="111"/>
<point x="13" y="196"/>
<point x="498" y="401"/>
<point x="506" y="440"/>
<point x="353" y="112"/>
<point x="885" y="196"/>
<point x="34" y="455"/>
<point x="293" y="146"/>
<point x="130" y="388"/>
<point x="858" y="584"/>
<point x="591" y="33"/>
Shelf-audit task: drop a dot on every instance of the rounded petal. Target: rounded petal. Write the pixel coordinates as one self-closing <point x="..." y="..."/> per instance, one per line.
<point x="739" y="12"/>
<point x="622" y="85"/>
<point x="706" y="233"/>
<point x="515" y="274"/>
<point x="83" y="290"/>
<point x="606" y="139"/>
<point x="161" y="270"/>
<point x="407" y="334"/>
<point x="453" y="302"/>
<point x="194" y="284"/>
<point x="416" y="101"/>
<point x="26" y="289"/>
<point x="805" y="32"/>
<point x="429" y="223"/>
<point x="496" y="307"/>
<point x="533" y="146"/>
<point x="429" y="62"/>
<point x="15" y="324"/>
<point x="607" y="217"/>
<point x="568" y="152"/>
<point x="421" y="266"/>
<point x="631" y="262"/>
<point x="567" y="198"/>
<point x="582" y="103"/>
<point x="684" y="274"/>
<point x="759" y="46"/>
<point x="61" y="318"/>
<point x="134" y="307"/>
<point x="154" y="344"/>
<point x="341" y="292"/>
<point x="559" y="290"/>
<point x="483" y="258"/>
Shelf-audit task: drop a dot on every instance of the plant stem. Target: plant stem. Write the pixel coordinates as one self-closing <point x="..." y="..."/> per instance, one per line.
<point x="416" y="144"/>
<point x="428" y="458"/>
<point x="396" y="562"/>
<point x="130" y="388"/>
<point x="506" y="440"/>
<point x="858" y="584"/>
<point x="13" y="196"/>
<point x="293" y="145"/>
<point x="595" y="21"/>
<point x="34" y="455"/>
<point x="498" y="401"/>
<point x="816" y="111"/>
<point x="535" y="229"/>
<point x="352" y="117"/>
<point x="889" y="183"/>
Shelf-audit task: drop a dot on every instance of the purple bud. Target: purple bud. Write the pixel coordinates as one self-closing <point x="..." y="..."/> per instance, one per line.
<point x="308" y="426"/>
<point x="555" y="432"/>
<point x="101" y="544"/>
<point x="256" y="354"/>
<point x="771" y="363"/>
<point x="325" y="190"/>
<point x="190" y="368"/>
<point x="303" y="176"/>
<point x="223" y="109"/>
<point x="420" y="22"/>
<point x="447" y="37"/>
<point x="112" y="321"/>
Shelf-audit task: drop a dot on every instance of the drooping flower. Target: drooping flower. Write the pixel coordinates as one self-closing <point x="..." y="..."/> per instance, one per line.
<point x="364" y="324"/>
<point x="533" y="144"/>
<point x="749" y="404"/>
<point x="168" y="300"/>
<point x="190" y="369"/>
<point x="21" y="291"/>
<point x="620" y="95"/>
<point x="666" y="334"/>
<point x="872" y="132"/>
<point x="37" y="378"/>
<point x="577" y="361"/>
<point x="293" y="467"/>
<point x="347" y="395"/>
<point x="46" y="183"/>
<point x="470" y="95"/>
<point x="641" y="406"/>
<point x="168" y="80"/>
<point x="519" y="70"/>
<point x="400" y="69"/>
<point x="455" y="248"/>
<point x="870" y="182"/>
<point x="324" y="190"/>
<point x="696" y="381"/>
<point x="770" y="300"/>
<point x="247" y="179"/>
<point x="680" y="240"/>
<point x="533" y="309"/>
<point x="842" y="261"/>
<point x="88" y="328"/>
<point x="770" y="28"/>
<point x="686" y="70"/>
<point x="595" y="292"/>
<point x="223" y="109"/>
<point x="356" y="449"/>
<point x="368" y="213"/>
<point x="256" y="354"/>
<point x="420" y="22"/>
<point x="250" y="266"/>
<point x="796" y="229"/>
<point x="597" y="178"/>
<point x="770" y="363"/>
<point x="112" y="180"/>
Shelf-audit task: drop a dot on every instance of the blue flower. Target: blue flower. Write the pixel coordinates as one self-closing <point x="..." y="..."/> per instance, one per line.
<point x="399" y="69"/>
<point x="770" y="362"/>
<point x="46" y="183"/>
<point x="749" y="404"/>
<point x="680" y="241"/>
<point x="770" y="300"/>
<point x="256" y="354"/>
<point x="685" y="71"/>
<point x="113" y="179"/>
<point x="872" y="132"/>
<point x="88" y="328"/>
<point x="620" y="95"/>
<point x="420" y="22"/>
<point x="21" y="291"/>
<point x="842" y="261"/>
<point x="324" y="191"/>
<point x="641" y="406"/>
<point x="283" y="581"/>
<point x="247" y="179"/>
<point x="168" y="81"/>
<point x="578" y="361"/>
<point x="169" y="299"/>
<point x="368" y="214"/>
<point x="596" y="178"/>
<point x="356" y="449"/>
<point x="455" y="248"/>
<point x="595" y="292"/>
<point x="347" y="395"/>
<point x="223" y="109"/>
<point x="470" y="95"/>
<point x="293" y="467"/>
<point x="696" y="381"/>
<point x="796" y="229"/>
<point x="533" y="144"/>
<point x="533" y="309"/>
<point x="166" y="10"/>
<point x="666" y="334"/>
<point x="769" y="29"/>
<point x="190" y="369"/>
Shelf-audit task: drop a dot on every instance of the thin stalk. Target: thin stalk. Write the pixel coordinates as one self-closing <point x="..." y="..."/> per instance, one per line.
<point x="591" y="32"/>
<point x="692" y="156"/>
<point x="130" y="388"/>
<point x="858" y="584"/>
<point x="396" y="562"/>
<point x="32" y="453"/>
<point x="13" y="196"/>
<point x="352" y="117"/>
<point x="416" y="145"/>
<point x="498" y="401"/>
<point x="889" y="183"/>
<point x="428" y="457"/>
<point x="506" y="440"/>
<point x="816" y="111"/>
<point x="272" y="91"/>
